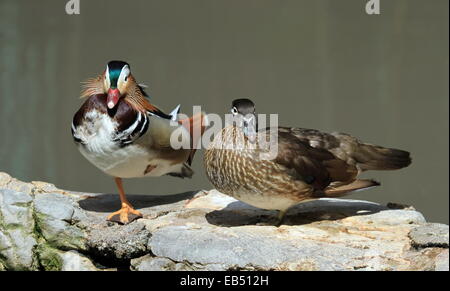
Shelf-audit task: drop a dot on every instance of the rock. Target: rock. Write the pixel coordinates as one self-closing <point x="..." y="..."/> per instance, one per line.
<point x="73" y="261"/>
<point x="119" y="242"/>
<point x="7" y="182"/>
<point x="55" y="260"/>
<point x="21" y="247"/>
<point x="4" y="180"/>
<point x="149" y="263"/>
<point x="46" y="228"/>
<point x="42" y="187"/>
<point x="442" y="261"/>
<point x="430" y="235"/>
<point x="17" y="237"/>
<point x="14" y="208"/>
<point x="56" y="215"/>
<point x="246" y="249"/>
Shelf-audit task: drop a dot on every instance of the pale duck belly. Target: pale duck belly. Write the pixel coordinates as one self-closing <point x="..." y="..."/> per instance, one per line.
<point x="129" y="162"/>
<point x="264" y="200"/>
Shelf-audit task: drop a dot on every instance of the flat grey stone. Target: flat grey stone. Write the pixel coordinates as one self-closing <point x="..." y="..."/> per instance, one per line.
<point x="430" y="235"/>
<point x="74" y="261"/>
<point x="13" y="208"/>
<point x="55" y="206"/>
<point x="17" y="240"/>
<point x="245" y="249"/>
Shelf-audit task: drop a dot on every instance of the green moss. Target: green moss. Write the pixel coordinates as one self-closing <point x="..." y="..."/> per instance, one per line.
<point x="70" y="239"/>
<point x="37" y="229"/>
<point x="49" y="258"/>
<point x="2" y="223"/>
<point x="2" y="266"/>
<point x="9" y="263"/>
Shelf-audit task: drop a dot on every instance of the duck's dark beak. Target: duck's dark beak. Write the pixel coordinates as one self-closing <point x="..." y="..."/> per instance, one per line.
<point x="113" y="98"/>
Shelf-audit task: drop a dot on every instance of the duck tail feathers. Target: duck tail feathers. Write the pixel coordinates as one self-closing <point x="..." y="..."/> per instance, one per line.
<point x="357" y="185"/>
<point x="196" y="126"/>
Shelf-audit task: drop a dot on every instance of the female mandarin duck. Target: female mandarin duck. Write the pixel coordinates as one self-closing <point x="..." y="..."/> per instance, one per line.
<point x="120" y="132"/>
<point x="309" y="164"/>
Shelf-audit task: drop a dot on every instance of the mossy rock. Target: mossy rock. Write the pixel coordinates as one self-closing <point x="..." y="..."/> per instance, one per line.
<point x="49" y="258"/>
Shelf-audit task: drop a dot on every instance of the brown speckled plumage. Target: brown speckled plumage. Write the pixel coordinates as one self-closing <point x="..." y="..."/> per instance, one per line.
<point x="309" y="164"/>
<point x="225" y="167"/>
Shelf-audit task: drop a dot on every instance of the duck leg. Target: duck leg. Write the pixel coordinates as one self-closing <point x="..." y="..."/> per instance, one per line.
<point x="127" y="213"/>
<point x="280" y="218"/>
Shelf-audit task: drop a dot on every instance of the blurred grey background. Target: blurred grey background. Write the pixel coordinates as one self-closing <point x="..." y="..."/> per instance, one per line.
<point x="321" y="64"/>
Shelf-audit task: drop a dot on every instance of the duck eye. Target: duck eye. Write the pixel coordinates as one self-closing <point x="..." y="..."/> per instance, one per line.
<point x="126" y="78"/>
<point x="234" y="111"/>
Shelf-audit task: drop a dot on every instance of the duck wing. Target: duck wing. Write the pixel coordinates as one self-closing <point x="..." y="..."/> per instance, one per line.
<point x="300" y="153"/>
<point x="363" y="156"/>
<point x="189" y="131"/>
<point x="331" y="162"/>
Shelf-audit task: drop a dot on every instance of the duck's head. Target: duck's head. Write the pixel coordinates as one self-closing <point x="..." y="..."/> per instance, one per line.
<point x="245" y="109"/>
<point x="117" y="81"/>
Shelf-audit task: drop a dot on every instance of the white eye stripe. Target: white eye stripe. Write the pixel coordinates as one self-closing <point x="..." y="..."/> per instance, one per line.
<point x="107" y="80"/>
<point x="234" y="111"/>
<point x="124" y="74"/>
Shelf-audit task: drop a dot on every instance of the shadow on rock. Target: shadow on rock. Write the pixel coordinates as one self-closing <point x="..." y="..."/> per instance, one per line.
<point x="239" y="214"/>
<point x="111" y="202"/>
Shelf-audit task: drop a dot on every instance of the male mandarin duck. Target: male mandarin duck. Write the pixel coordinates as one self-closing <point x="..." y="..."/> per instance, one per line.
<point x="118" y="130"/>
<point x="309" y="164"/>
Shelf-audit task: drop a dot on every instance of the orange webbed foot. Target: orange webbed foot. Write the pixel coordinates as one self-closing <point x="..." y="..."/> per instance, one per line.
<point x="125" y="215"/>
